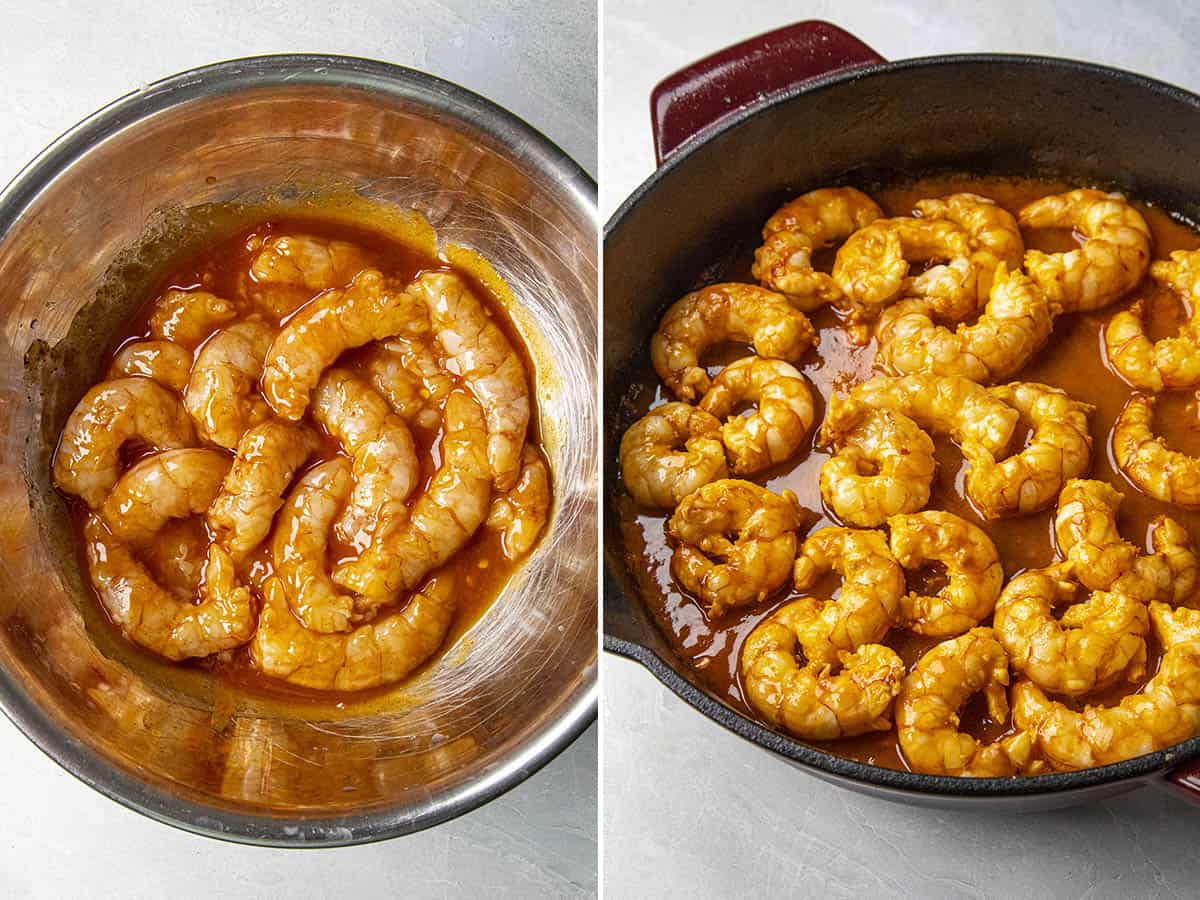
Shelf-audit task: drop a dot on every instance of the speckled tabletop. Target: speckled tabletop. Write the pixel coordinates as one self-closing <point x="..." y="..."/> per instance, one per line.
<point x="692" y="811"/>
<point x="62" y="59"/>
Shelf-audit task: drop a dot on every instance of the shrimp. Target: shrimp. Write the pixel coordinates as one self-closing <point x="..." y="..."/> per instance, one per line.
<point x="811" y="222"/>
<point x="411" y="378"/>
<point x="442" y="519"/>
<point x="777" y="429"/>
<point x="370" y="309"/>
<point x="1095" y="644"/>
<point x="932" y="694"/>
<point x="725" y="312"/>
<point x="386" y="469"/>
<point x="1059" y="449"/>
<point x="490" y="368"/>
<point x="176" y="555"/>
<point x="1169" y="364"/>
<point x="810" y="701"/>
<point x="883" y="463"/>
<point x="973" y="571"/>
<point x="670" y="452"/>
<point x="87" y="462"/>
<point x="520" y="515"/>
<point x="751" y="566"/>
<point x="166" y="362"/>
<point x="151" y="616"/>
<point x="1112" y="260"/>
<point x="268" y="457"/>
<point x="222" y="393"/>
<point x="291" y="268"/>
<point x="869" y="602"/>
<point x="1165" y="474"/>
<point x="381" y="652"/>
<point x="1014" y="326"/>
<point x="188" y="317"/>
<point x="168" y="485"/>
<point x="1165" y="712"/>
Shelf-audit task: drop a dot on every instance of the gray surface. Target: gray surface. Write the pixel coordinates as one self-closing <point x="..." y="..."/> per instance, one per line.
<point x="692" y="811"/>
<point x="62" y="61"/>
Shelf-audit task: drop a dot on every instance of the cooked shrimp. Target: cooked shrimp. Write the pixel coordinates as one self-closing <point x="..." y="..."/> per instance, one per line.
<point x="1164" y="474"/>
<point x="386" y="469"/>
<point x="890" y="446"/>
<point x="973" y="571"/>
<point x="1169" y="364"/>
<point x="151" y="616"/>
<point x="725" y="312"/>
<point x="87" y="462"/>
<point x="1112" y="260"/>
<point x="932" y="694"/>
<point x="188" y="317"/>
<point x="476" y="347"/>
<point x="1095" y="644"/>
<point x="670" y="452"/>
<point x="411" y="378"/>
<point x="443" y="518"/>
<point x="750" y="566"/>
<point x="777" y="429"/>
<point x="168" y="485"/>
<point x="291" y="268"/>
<point x="811" y="222"/>
<point x="810" y="701"/>
<point x="382" y="652"/>
<point x="268" y="457"/>
<point x="165" y="361"/>
<point x="370" y="309"/>
<point x="1014" y="326"/>
<point x="869" y="601"/>
<point x="222" y="393"/>
<point x="1060" y="448"/>
<point x="520" y="514"/>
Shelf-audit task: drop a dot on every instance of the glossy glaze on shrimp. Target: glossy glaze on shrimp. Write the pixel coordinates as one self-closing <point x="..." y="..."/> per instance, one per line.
<point x="166" y="362"/>
<point x="670" y="452"/>
<point x="188" y="317"/>
<point x="222" y="392"/>
<point x="173" y="484"/>
<point x="1147" y="462"/>
<point x="520" y="514"/>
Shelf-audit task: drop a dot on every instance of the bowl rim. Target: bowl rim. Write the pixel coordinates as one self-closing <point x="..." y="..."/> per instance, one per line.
<point x="522" y="142"/>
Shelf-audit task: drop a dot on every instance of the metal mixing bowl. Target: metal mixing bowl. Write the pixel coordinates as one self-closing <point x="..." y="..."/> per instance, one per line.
<point x="91" y="223"/>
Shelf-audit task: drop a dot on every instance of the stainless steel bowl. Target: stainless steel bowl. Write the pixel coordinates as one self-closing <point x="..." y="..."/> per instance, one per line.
<point x="87" y="226"/>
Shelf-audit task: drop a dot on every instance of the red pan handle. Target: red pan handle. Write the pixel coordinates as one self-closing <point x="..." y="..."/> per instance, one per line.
<point x="1184" y="781"/>
<point x="713" y="88"/>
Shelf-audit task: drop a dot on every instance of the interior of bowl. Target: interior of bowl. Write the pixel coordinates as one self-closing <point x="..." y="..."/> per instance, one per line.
<point x="88" y="229"/>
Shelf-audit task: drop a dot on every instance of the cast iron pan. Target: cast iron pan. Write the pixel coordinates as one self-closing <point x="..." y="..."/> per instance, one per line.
<point x="740" y="132"/>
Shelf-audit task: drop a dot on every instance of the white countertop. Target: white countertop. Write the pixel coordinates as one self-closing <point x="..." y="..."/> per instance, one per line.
<point x="692" y="811"/>
<point x="63" y="60"/>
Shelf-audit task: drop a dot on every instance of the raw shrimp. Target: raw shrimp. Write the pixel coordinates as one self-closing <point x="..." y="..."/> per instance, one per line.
<point x="810" y="700"/>
<point x="370" y="309"/>
<point x="521" y="513"/>
<point x="154" y="618"/>
<point x="411" y="378"/>
<point x="777" y="429"/>
<point x="268" y="457"/>
<point x="291" y="268"/>
<point x="165" y="361"/>
<point x="168" y="485"/>
<point x="1169" y="364"/>
<point x="973" y="571"/>
<point x="176" y="555"/>
<point x="188" y="317"/>
<point x="670" y="452"/>
<point x="869" y="601"/>
<point x="1165" y="474"/>
<point x="443" y="518"/>
<point x="1112" y="260"/>
<point x="927" y="721"/>
<point x="1060" y="448"/>
<point x="811" y="222"/>
<point x="751" y="566"/>
<point x="887" y="444"/>
<point x="87" y="462"/>
<point x="477" y="349"/>
<point x="381" y="652"/>
<point x="725" y="312"/>
<point x="222" y="393"/>
<point x="386" y="469"/>
<point x="1095" y="644"/>
<point x="1014" y="326"/>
